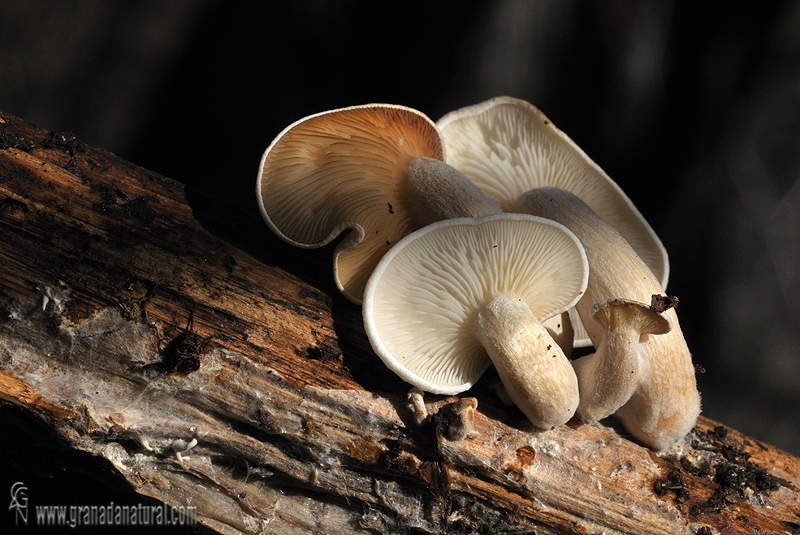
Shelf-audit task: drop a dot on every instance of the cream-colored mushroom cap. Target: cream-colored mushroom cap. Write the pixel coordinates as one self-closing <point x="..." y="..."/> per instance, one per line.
<point x="507" y="147"/>
<point x="422" y="302"/>
<point x="341" y="170"/>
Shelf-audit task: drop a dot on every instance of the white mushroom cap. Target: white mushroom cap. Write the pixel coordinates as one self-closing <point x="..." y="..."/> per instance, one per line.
<point x="360" y="169"/>
<point x="508" y="147"/>
<point x="423" y="299"/>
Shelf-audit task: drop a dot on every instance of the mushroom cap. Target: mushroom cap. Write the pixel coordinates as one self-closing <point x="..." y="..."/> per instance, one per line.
<point x="507" y="146"/>
<point x="422" y="300"/>
<point x="613" y="314"/>
<point x="343" y="169"/>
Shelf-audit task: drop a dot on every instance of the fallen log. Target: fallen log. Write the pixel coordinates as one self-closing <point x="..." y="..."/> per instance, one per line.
<point x="241" y="384"/>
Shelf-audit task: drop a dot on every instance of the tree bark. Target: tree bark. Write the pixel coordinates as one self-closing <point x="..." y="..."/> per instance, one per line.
<point x="243" y="384"/>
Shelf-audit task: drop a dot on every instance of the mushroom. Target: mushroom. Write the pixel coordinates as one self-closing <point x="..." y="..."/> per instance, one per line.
<point x="453" y="297"/>
<point x="658" y="403"/>
<point x="608" y="378"/>
<point x="374" y="169"/>
<point x="507" y="147"/>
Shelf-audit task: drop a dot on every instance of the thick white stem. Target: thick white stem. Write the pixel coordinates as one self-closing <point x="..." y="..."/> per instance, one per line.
<point x="608" y="377"/>
<point x="535" y="372"/>
<point x="436" y="191"/>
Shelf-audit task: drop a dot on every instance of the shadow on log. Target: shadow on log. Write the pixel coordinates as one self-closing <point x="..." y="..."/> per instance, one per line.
<point x="243" y="385"/>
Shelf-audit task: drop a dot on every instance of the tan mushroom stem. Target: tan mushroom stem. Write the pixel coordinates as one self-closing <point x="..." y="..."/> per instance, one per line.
<point x="608" y="377"/>
<point x="665" y="403"/>
<point x="436" y="191"/>
<point x="431" y="191"/>
<point x="535" y="372"/>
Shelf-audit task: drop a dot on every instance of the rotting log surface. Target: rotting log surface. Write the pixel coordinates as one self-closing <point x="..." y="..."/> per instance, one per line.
<point x="133" y="332"/>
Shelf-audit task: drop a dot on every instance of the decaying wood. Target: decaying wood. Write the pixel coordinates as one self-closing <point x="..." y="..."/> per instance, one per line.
<point x="243" y="385"/>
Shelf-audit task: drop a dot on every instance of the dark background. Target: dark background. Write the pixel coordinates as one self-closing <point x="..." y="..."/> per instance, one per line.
<point x="692" y="107"/>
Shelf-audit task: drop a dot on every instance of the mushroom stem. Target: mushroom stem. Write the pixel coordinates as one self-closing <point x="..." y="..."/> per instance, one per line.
<point x="533" y="368"/>
<point x="608" y="378"/>
<point x="665" y="403"/>
<point x="437" y="191"/>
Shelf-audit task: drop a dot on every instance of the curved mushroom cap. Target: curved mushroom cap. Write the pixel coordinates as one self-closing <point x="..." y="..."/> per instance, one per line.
<point x="627" y="314"/>
<point x="421" y="302"/>
<point x="507" y="147"/>
<point x="343" y="169"/>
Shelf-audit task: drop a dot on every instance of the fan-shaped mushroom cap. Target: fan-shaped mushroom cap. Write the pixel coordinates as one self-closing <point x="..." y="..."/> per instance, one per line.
<point x="423" y="299"/>
<point x="631" y="316"/>
<point x="507" y="147"/>
<point x="348" y="169"/>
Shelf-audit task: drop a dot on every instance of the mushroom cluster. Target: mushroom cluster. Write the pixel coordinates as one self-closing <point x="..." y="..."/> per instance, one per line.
<point x="487" y="238"/>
